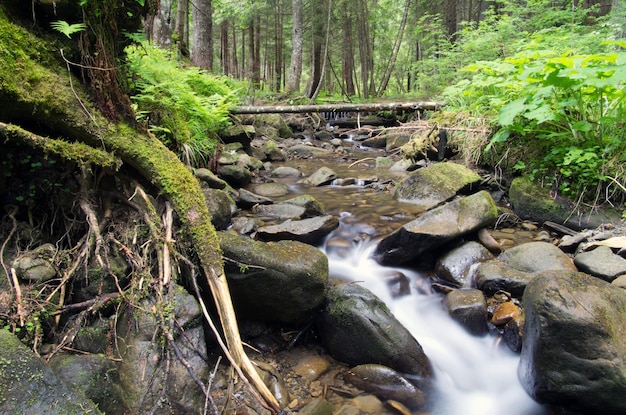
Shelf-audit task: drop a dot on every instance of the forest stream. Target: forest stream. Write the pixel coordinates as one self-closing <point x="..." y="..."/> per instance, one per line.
<point x="474" y="375"/>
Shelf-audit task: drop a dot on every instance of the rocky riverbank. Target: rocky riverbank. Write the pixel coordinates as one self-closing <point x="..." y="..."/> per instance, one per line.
<point x="552" y="293"/>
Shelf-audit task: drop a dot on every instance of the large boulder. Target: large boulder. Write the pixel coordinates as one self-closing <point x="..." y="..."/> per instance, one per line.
<point x="458" y="265"/>
<point x="320" y="177"/>
<point x="533" y="202"/>
<point x="276" y="281"/>
<point x="235" y="175"/>
<point x="221" y="206"/>
<point x="310" y="231"/>
<point x="602" y="263"/>
<point x="29" y="386"/>
<point x="356" y="327"/>
<point x="574" y="350"/>
<point x="438" y="183"/>
<point x="146" y="376"/>
<point x="436" y="227"/>
<point x="517" y="266"/>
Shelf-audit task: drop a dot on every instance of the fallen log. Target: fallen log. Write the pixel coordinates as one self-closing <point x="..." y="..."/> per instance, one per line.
<point x="343" y="107"/>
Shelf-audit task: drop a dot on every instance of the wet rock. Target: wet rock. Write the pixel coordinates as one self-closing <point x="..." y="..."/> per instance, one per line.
<point x="272" y="151"/>
<point x="143" y="370"/>
<point x="379" y="141"/>
<point x="513" y="334"/>
<point x="395" y="141"/>
<point x="94" y="375"/>
<point x="271" y="189"/>
<point x="248" y="199"/>
<point x="456" y="266"/>
<point x="304" y="150"/>
<point x="93" y="338"/>
<point x="282" y="211"/>
<point x="620" y="282"/>
<point x="309" y="203"/>
<point x="208" y="177"/>
<point x="280" y="281"/>
<point x="250" y="162"/>
<point x="517" y="266"/>
<point x="533" y="202"/>
<point x="36" y="265"/>
<point x="398" y="283"/>
<point x="221" y="206"/>
<point x="601" y="263"/>
<point x="469" y="308"/>
<point x="353" y="317"/>
<point x="431" y="186"/>
<point x="320" y="177"/>
<point x="284" y="171"/>
<point x="246" y="225"/>
<point x="386" y="384"/>
<point x="310" y="231"/>
<point x="274" y="382"/>
<point x="236" y="176"/>
<point x="29" y="386"/>
<point x="574" y="351"/>
<point x="238" y="134"/>
<point x="504" y="313"/>
<point x="317" y="406"/>
<point x="312" y="367"/>
<point x="437" y="227"/>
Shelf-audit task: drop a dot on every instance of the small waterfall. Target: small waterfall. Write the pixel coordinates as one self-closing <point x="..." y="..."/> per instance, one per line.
<point x="474" y="376"/>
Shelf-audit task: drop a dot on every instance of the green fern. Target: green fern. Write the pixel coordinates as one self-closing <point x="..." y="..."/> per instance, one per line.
<point x="66" y="28"/>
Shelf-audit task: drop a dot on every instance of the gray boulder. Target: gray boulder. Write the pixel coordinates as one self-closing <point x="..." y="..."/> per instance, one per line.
<point x="238" y="134"/>
<point x="235" y="175"/>
<point x="356" y="327"/>
<point x="285" y="171"/>
<point x="602" y="263"/>
<point x="282" y="211"/>
<point x="144" y="374"/>
<point x="310" y="231"/>
<point x="436" y="227"/>
<point x="438" y="183"/>
<point x="533" y="202"/>
<point x="320" y="177"/>
<point x="221" y="206"/>
<point x="208" y="177"/>
<point x="272" y="151"/>
<point x="574" y="350"/>
<point x="280" y="281"/>
<point x="248" y="199"/>
<point x="95" y="375"/>
<point x="311" y="205"/>
<point x="29" y="386"/>
<point x="517" y="266"/>
<point x="456" y="266"/>
<point x="271" y="189"/>
<point x="468" y="308"/>
<point x="36" y="265"/>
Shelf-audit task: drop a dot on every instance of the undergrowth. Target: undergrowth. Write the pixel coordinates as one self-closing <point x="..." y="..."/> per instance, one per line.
<point x="182" y="105"/>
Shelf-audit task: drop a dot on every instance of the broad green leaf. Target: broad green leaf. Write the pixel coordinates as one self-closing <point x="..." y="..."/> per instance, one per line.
<point x="541" y="113"/>
<point x="582" y="125"/>
<point x="507" y="113"/>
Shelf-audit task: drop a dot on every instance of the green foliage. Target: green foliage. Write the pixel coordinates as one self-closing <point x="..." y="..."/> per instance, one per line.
<point x="66" y="28"/>
<point x="183" y="106"/>
<point x="569" y="108"/>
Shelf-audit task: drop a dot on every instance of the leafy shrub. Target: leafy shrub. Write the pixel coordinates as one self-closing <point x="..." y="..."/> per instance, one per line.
<point x="566" y="110"/>
<point x="183" y="105"/>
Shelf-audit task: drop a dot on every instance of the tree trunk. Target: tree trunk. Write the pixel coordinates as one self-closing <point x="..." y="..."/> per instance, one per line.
<point x="180" y="31"/>
<point x="159" y="24"/>
<point x="396" y="49"/>
<point x="295" y="67"/>
<point x="225" y="47"/>
<point x="347" y="53"/>
<point x="316" y="49"/>
<point x="202" y="47"/>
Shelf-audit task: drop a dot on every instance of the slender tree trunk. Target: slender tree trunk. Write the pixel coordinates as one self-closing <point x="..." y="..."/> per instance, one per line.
<point x="180" y="31"/>
<point x="224" y="47"/>
<point x="234" y="60"/>
<point x="325" y="59"/>
<point x="396" y="49"/>
<point x="316" y="52"/>
<point x="202" y="47"/>
<point x="450" y="19"/>
<point x="295" y="67"/>
<point x="278" y="46"/>
<point x="347" y="53"/>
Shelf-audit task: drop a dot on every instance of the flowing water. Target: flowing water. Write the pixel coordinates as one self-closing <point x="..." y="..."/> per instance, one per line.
<point x="473" y="375"/>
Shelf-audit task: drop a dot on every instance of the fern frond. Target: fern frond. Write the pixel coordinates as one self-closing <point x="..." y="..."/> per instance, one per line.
<point x="66" y="28"/>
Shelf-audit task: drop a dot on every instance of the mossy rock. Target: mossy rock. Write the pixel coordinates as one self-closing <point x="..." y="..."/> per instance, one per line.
<point x="29" y="386"/>
<point x="533" y="202"/>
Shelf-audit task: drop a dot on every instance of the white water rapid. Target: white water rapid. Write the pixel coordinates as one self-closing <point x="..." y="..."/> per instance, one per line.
<point x="473" y="375"/>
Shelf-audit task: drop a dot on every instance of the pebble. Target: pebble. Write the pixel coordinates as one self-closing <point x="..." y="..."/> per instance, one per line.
<point x="312" y="367"/>
<point x="504" y="313"/>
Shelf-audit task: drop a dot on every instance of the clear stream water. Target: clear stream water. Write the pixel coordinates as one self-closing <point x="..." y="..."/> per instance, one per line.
<point x="473" y="375"/>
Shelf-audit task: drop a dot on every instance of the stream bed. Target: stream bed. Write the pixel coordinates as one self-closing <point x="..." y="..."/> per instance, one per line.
<point x="473" y="375"/>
